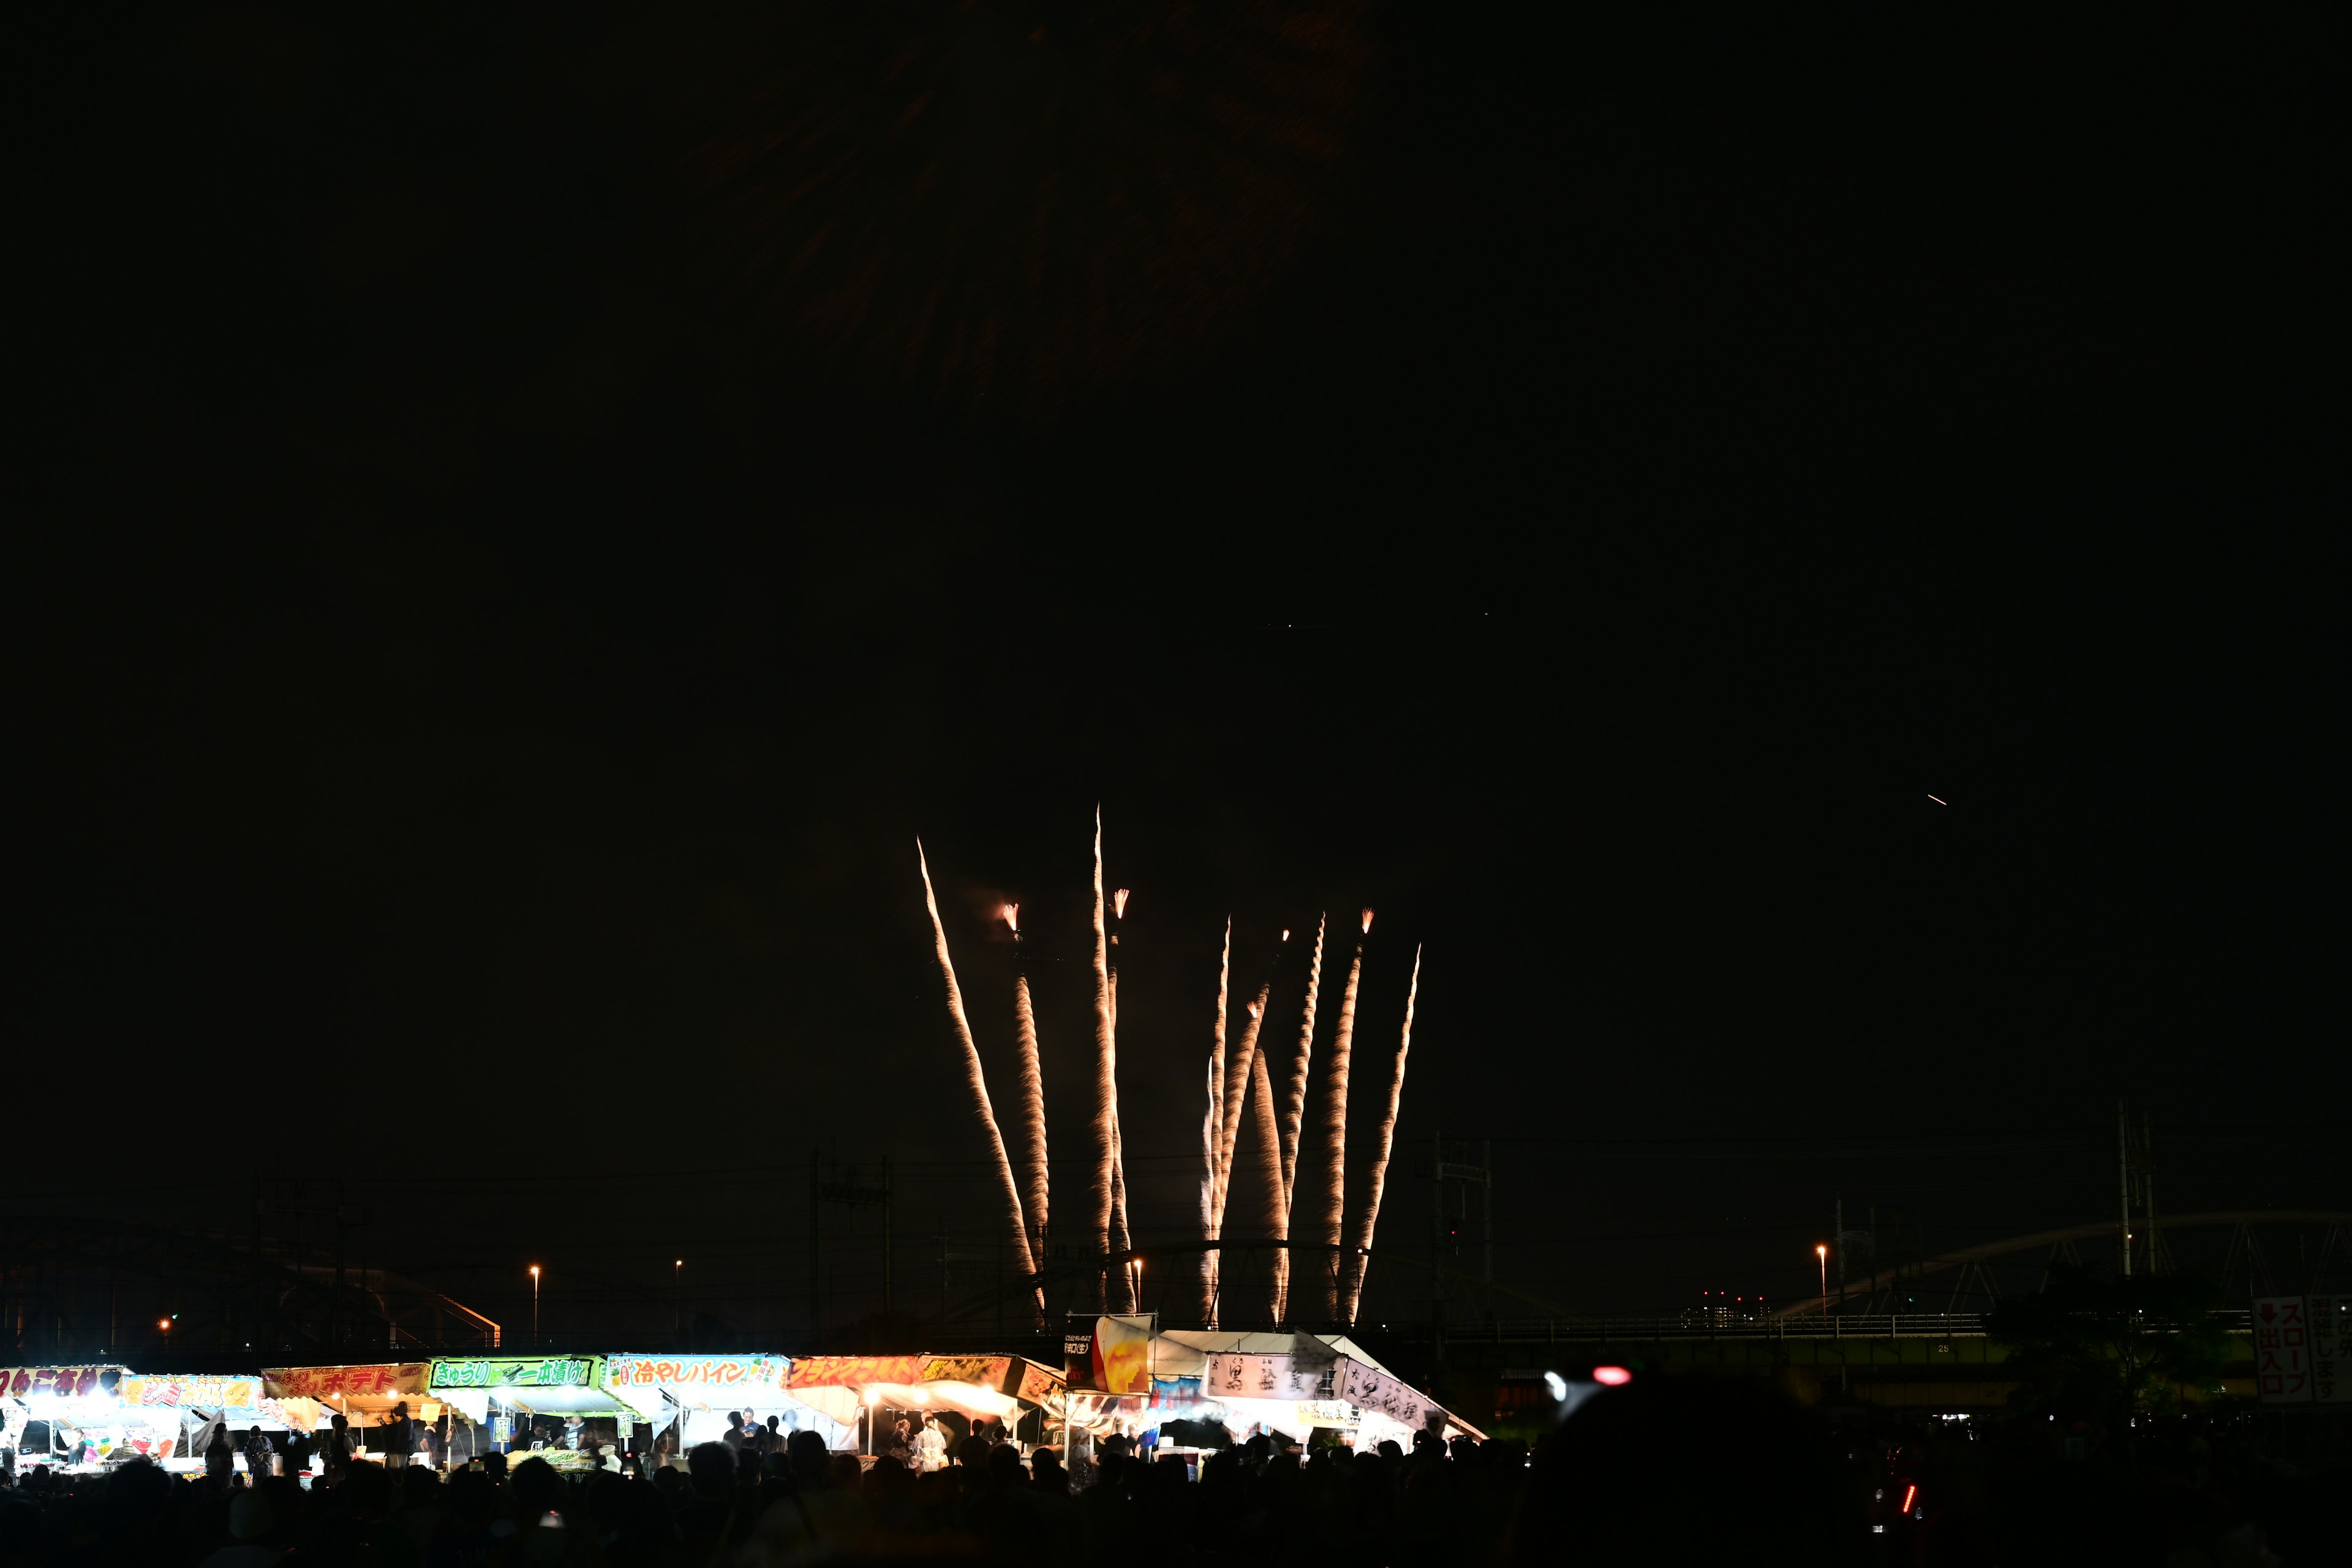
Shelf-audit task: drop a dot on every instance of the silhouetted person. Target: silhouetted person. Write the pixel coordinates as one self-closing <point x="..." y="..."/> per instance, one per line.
<point x="220" y="1456"/>
<point x="256" y="1457"/>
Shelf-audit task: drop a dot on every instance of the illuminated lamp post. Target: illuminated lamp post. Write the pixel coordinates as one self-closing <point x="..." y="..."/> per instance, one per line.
<point x="677" y="1309"/>
<point x="873" y="1397"/>
<point x="1824" y="1254"/>
<point x="534" y="1306"/>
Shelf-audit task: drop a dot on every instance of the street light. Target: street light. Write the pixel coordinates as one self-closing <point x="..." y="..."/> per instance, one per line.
<point x="534" y="1306"/>
<point x="1824" y="1254"/>
<point x="677" y="1320"/>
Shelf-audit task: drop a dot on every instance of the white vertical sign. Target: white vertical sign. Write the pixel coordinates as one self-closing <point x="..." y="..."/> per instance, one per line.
<point x="2331" y="1377"/>
<point x="2281" y="1350"/>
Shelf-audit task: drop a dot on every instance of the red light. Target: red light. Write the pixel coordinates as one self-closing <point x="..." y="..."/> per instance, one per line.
<point x="1612" y="1376"/>
<point x="1909" y="1493"/>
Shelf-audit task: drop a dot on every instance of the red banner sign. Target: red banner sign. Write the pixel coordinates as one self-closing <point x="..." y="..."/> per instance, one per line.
<point x="65" y="1382"/>
<point x="348" y="1382"/>
<point x="855" y="1371"/>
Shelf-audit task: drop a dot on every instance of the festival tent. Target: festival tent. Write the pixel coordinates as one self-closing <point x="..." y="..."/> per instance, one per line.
<point x="699" y="1391"/>
<point x="1291" y="1381"/>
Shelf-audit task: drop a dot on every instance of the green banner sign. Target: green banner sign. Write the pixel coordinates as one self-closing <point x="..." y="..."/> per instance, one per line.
<point x="518" y="1372"/>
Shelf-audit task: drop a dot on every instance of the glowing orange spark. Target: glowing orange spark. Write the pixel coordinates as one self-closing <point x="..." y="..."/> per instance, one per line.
<point x="1106" y="1149"/>
<point x="1939" y="800"/>
<point x="1012" y="917"/>
<point x="1119" y="904"/>
<point x="1329" y="1222"/>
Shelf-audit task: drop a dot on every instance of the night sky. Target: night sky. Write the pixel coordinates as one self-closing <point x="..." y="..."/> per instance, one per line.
<point x="525" y="522"/>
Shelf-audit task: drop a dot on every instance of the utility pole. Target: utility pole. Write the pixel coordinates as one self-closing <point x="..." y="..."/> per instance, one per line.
<point x="1486" y="1220"/>
<point x="342" y="1215"/>
<point x="886" y="1206"/>
<point x="816" y="1226"/>
<point x="1837" y="1235"/>
<point x="1437" y="1227"/>
<point x="2122" y="1169"/>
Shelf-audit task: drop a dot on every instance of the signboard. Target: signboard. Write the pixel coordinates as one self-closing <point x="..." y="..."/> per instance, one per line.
<point x="1115" y="1358"/>
<point x="179" y="1393"/>
<point x="2281" y="1350"/>
<point x="65" y="1382"/>
<point x="325" y="1383"/>
<point x="987" y="1371"/>
<point x="1234" y="1376"/>
<point x="519" y="1372"/>
<point x="715" y="1373"/>
<point x="854" y="1371"/>
<point x="1038" y="1384"/>
<point x="2331" y="1343"/>
<point x="1372" y="1389"/>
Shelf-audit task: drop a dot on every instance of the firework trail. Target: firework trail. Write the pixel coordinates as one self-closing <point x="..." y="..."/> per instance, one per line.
<point x="972" y="1073"/>
<point x="1269" y="1143"/>
<point x="1331" y="1219"/>
<point x="1295" y="1113"/>
<point x="1237" y="1089"/>
<point x="1033" y="1082"/>
<point x="1211" y="1126"/>
<point x="1361" y="1260"/>
<point x="1105" y="1131"/>
<point x="1120" y="1239"/>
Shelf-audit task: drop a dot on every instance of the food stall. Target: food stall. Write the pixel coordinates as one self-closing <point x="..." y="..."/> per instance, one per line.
<point x="363" y="1394"/>
<point x="509" y="1394"/>
<point x="853" y="1391"/>
<point x="88" y="1417"/>
<point x="694" y="1394"/>
<point x="72" y="1417"/>
<point x="1288" y="1385"/>
<point x="192" y="1405"/>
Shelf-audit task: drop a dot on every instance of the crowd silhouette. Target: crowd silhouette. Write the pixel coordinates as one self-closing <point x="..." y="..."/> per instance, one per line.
<point x="1671" y="1471"/>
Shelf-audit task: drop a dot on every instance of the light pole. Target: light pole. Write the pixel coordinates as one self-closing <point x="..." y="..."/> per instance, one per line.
<point x="534" y="1306"/>
<point x="677" y="1309"/>
<point x="1822" y="1253"/>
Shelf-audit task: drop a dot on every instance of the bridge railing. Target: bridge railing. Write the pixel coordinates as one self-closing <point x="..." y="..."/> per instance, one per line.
<point x="1604" y="1330"/>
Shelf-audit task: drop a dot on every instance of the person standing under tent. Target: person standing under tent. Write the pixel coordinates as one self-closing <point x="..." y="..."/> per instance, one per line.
<point x="256" y="1457"/>
<point x="931" y="1446"/>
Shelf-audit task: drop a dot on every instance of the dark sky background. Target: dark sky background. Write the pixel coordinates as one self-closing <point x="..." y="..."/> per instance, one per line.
<point x="527" y="520"/>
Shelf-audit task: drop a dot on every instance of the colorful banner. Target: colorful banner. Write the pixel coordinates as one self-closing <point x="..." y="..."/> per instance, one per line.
<point x="522" y="1372"/>
<point x="1115" y="1358"/>
<point x="1234" y="1376"/>
<point x="65" y="1382"/>
<point x="181" y="1392"/>
<point x="389" y="1379"/>
<point x="986" y="1371"/>
<point x="1372" y="1389"/>
<point x="1039" y="1385"/>
<point x="854" y="1371"/>
<point x="710" y="1372"/>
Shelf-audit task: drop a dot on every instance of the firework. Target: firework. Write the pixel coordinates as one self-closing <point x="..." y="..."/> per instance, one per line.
<point x="1211" y="1129"/>
<point x="1293" y="1118"/>
<point x="1361" y="1260"/>
<point x="1269" y="1143"/>
<point x="1032" y="1083"/>
<point x="1105" y="1137"/>
<point x="1237" y="1089"/>
<point x="1331" y="1216"/>
<point x="975" y="1077"/>
<point x="1119" y="1240"/>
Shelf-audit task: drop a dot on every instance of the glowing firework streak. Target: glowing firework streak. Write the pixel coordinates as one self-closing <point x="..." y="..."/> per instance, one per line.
<point x="1032" y="1084"/>
<point x="1269" y="1143"/>
<point x="1105" y="1083"/>
<point x="1294" y="1118"/>
<point x="1331" y="1221"/>
<point x="1237" y="1089"/>
<point x="973" y="1076"/>
<point x="1120" y="1239"/>
<point x="1211" y="1125"/>
<point x="1361" y="1260"/>
<point x="1939" y="800"/>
